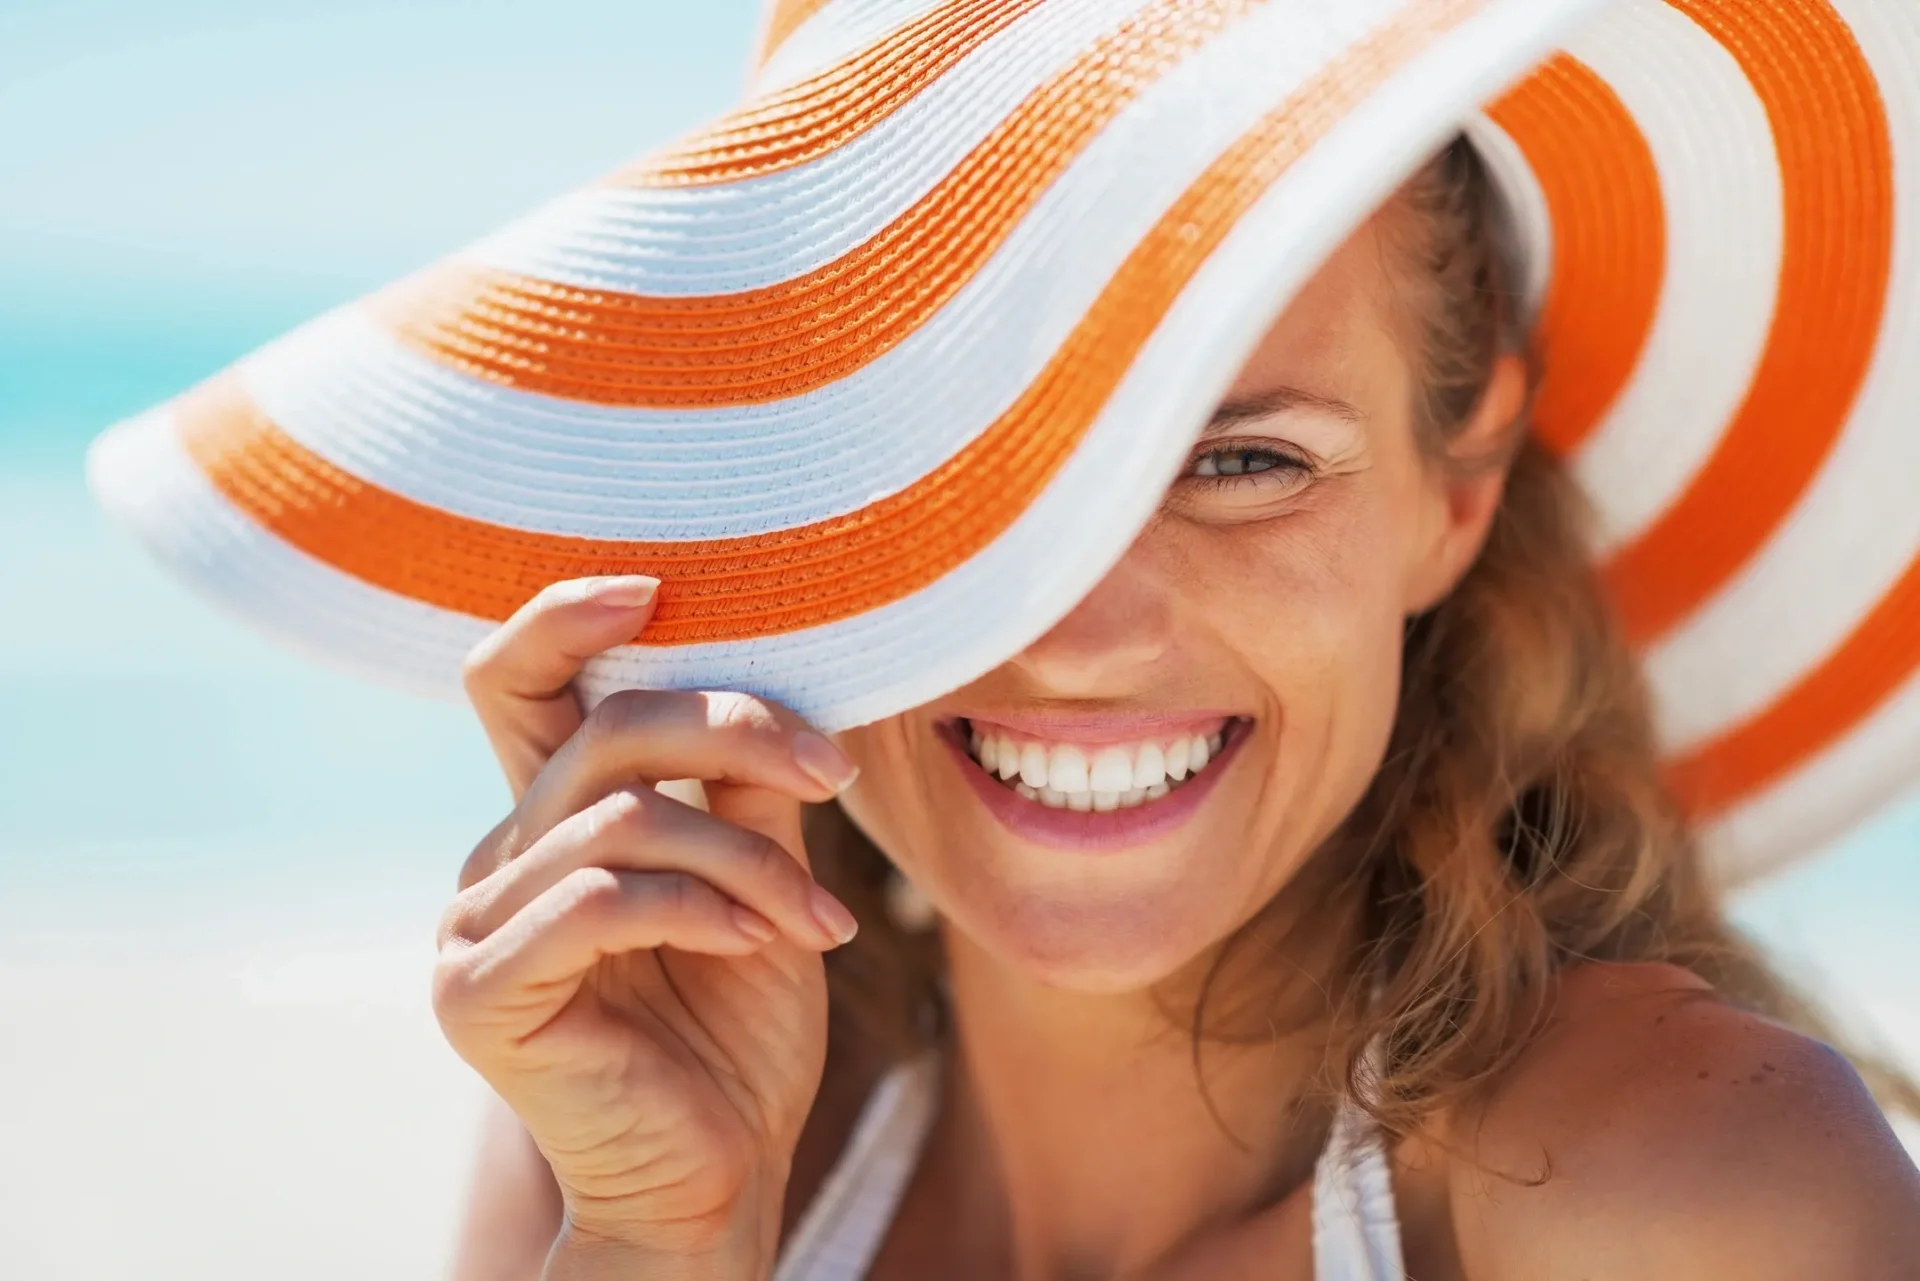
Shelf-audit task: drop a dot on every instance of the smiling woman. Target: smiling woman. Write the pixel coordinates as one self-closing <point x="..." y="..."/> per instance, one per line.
<point x="1091" y="490"/>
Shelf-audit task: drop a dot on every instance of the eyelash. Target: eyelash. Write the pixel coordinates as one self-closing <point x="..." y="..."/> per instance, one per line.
<point x="1272" y="459"/>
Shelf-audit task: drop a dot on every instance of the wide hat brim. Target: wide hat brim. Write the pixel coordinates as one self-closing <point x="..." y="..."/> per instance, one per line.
<point x="882" y="372"/>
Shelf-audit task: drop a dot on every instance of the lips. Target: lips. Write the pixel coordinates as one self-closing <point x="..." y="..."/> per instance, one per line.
<point x="1069" y="812"/>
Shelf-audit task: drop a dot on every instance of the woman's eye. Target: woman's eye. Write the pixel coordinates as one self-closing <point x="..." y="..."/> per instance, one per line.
<point x="1236" y="462"/>
<point x="1223" y="461"/>
<point x="1234" y="481"/>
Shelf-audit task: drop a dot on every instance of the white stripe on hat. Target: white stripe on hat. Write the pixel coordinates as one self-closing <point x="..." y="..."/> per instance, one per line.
<point x="1794" y="817"/>
<point x="538" y="463"/>
<point x="832" y="34"/>
<point x="1720" y="180"/>
<point x="757" y="232"/>
<point x="140" y="470"/>
<point x="1857" y="527"/>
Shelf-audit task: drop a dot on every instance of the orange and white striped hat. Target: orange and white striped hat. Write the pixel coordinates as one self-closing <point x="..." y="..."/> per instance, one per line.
<point x="883" y="371"/>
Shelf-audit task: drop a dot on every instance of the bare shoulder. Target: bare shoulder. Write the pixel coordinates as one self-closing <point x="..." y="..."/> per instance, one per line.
<point x="1656" y="1130"/>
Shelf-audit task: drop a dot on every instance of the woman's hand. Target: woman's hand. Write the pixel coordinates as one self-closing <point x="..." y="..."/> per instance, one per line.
<point x="640" y="980"/>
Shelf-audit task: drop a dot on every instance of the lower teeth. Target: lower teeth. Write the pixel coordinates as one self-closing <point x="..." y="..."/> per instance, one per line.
<point x="1097" y="802"/>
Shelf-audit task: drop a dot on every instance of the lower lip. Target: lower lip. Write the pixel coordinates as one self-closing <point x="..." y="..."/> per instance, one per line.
<point x="1090" y="831"/>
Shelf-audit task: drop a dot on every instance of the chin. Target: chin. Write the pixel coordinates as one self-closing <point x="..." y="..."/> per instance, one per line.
<point x="1100" y="937"/>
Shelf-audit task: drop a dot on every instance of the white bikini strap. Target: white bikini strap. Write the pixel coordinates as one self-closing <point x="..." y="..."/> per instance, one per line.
<point x="1356" y="1232"/>
<point x="841" y="1231"/>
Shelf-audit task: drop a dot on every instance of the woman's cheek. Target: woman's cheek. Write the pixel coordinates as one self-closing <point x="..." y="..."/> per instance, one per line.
<point x="1301" y="590"/>
<point x="1312" y="611"/>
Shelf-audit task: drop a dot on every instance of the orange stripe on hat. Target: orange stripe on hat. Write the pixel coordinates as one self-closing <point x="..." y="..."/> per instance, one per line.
<point x="744" y="587"/>
<point x="768" y="344"/>
<point x="805" y="121"/>
<point x="1879" y="657"/>
<point x="1610" y="241"/>
<point x="1836" y="165"/>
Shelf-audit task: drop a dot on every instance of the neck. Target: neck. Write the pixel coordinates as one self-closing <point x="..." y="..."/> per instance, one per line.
<point x="1083" y="1119"/>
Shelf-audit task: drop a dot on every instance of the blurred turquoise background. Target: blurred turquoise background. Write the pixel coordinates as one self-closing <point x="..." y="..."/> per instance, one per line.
<point x="180" y="181"/>
<point x="219" y="867"/>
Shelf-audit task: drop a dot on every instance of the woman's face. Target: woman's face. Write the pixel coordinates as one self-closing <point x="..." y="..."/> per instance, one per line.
<point x="1249" y="640"/>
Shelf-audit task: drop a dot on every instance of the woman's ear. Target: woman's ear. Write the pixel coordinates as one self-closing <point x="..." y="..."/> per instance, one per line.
<point x="1470" y="485"/>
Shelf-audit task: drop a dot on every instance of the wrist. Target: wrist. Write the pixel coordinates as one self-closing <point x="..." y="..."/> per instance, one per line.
<point x="579" y="1255"/>
<point x="596" y="1247"/>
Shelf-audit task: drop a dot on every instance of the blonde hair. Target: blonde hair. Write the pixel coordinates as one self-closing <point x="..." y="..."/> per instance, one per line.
<point x="1519" y="822"/>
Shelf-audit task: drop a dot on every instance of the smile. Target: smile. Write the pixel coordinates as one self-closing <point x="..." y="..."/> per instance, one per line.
<point x="1094" y="778"/>
<point x="1094" y="783"/>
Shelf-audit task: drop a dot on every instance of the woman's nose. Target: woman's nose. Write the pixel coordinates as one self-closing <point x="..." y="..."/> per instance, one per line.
<point x="1124" y="625"/>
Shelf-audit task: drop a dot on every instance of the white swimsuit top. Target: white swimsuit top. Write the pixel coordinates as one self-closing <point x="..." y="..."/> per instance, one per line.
<point x="1356" y="1235"/>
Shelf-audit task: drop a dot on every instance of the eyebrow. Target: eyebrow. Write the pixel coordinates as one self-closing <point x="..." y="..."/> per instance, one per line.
<point x="1233" y="413"/>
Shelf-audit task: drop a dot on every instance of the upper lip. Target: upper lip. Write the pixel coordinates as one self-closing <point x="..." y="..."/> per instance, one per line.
<point x="1099" y="727"/>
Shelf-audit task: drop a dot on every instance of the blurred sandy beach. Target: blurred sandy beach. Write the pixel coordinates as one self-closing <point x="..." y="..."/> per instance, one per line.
<point x="267" y="1114"/>
<point x="217" y="903"/>
<point x="220" y="869"/>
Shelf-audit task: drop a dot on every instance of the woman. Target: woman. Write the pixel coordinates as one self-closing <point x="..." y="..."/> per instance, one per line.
<point x="1533" y="992"/>
<point x="1292" y="888"/>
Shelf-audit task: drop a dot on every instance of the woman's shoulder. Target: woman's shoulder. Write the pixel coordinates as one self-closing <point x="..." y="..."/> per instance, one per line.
<point x="1654" y="1129"/>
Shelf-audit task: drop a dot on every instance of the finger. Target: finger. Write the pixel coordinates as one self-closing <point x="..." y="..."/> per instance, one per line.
<point x="648" y="735"/>
<point x="520" y="678"/>
<point x="640" y="830"/>
<point x="535" y="962"/>
<point x="497" y="848"/>
<point x="490" y="855"/>
<point x="759" y="810"/>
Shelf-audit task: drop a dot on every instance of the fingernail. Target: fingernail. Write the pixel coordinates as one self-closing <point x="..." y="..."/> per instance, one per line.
<point x="754" y="925"/>
<point x="833" y="916"/>
<point x="823" y="762"/>
<point x="626" y="592"/>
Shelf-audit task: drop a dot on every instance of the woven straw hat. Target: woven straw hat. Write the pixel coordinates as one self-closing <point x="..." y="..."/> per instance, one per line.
<point x="882" y="372"/>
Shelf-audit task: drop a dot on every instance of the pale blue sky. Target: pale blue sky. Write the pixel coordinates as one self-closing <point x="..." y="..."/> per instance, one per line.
<point x="262" y="144"/>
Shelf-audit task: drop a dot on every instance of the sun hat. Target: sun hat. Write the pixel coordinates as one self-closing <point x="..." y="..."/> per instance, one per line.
<point x="881" y="372"/>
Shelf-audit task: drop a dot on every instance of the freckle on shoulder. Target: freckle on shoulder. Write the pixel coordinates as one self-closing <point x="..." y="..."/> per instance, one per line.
<point x="1651" y="1110"/>
<point x="1642" y="1053"/>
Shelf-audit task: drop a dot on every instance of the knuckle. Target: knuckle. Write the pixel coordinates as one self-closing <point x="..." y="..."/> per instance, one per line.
<point x="556" y="595"/>
<point x="626" y="815"/>
<point x="613" y="717"/>
<point x="742" y="713"/>
<point x="676" y="893"/>
<point x="589" y="892"/>
<point x="777" y="869"/>
<point x="456" y="986"/>
<point x="454" y="923"/>
<point x="478" y="667"/>
<point x="749" y="727"/>
<point x="479" y="865"/>
<point x="767" y="857"/>
<point x="490" y="854"/>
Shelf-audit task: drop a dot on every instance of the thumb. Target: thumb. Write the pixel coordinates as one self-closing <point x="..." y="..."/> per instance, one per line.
<point x="759" y="809"/>
<point x="520" y="678"/>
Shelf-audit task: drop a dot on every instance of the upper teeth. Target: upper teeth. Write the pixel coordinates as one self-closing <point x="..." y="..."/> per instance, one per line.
<point x="1114" y="776"/>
